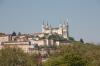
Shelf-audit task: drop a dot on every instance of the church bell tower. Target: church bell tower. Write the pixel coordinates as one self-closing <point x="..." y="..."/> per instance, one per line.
<point x="66" y="30"/>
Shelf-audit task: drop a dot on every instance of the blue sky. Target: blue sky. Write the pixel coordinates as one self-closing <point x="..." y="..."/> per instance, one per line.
<point x="26" y="16"/>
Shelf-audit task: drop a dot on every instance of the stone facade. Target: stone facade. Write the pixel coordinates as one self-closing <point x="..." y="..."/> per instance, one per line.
<point x="4" y="38"/>
<point x="62" y="29"/>
<point x="27" y="42"/>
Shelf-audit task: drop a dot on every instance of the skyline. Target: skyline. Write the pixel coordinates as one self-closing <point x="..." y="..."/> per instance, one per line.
<point x="27" y="16"/>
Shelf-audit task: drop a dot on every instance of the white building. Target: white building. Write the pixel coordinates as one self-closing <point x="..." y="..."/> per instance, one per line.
<point x="4" y="38"/>
<point x="62" y="29"/>
<point x="25" y="46"/>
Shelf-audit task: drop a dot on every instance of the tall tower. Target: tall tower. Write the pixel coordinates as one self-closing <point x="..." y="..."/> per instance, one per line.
<point x="47" y="25"/>
<point x="43" y="26"/>
<point x="50" y="28"/>
<point x="66" y="30"/>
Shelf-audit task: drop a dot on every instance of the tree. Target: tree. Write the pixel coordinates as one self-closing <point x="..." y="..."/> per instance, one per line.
<point x="19" y="33"/>
<point x="15" y="57"/>
<point x="67" y="60"/>
<point x="71" y="38"/>
<point x="56" y="37"/>
<point x="81" y="40"/>
<point x="74" y="60"/>
<point x="75" y="54"/>
<point x="14" y="34"/>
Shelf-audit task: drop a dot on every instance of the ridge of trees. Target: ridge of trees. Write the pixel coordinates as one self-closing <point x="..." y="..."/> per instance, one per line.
<point x="75" y="54"/>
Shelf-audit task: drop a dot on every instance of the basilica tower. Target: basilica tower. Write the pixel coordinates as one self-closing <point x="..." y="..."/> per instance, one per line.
<point x="65" y="30"/>
<point x="43" y="26"/>
<point x="62" y="30"/>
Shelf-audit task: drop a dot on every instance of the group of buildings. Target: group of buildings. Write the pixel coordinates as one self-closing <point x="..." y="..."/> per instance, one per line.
<point x="28" y="43"/>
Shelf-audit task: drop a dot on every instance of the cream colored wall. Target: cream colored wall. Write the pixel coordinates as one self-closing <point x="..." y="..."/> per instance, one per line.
<point x="39" y="42"/>
<point x="47" y="31"/>
<point x="24" y="47"/>
<point x="41" y="35"/>
<point x="4" y="38"/>
<point x="54" y="31"/>
<point x="58" y="31"/>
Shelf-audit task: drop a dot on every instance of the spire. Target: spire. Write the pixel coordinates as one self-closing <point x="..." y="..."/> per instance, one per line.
<point x="60" y="23"/>
<point x="43" y="22"/>
<point x="47" y="23"/>
<point x="66" y="23"/>
<point x="50" y="26"/>
<point x="43" y="26"/>
<point x="67" y="19"/>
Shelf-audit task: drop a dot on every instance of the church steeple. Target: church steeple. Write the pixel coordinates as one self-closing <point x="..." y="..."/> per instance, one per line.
<point x="43" y="23"/>
<point x="47" y="25"/>
<point x="66" y="22"/>
<point x="43" y="26"/>
<point x="66" y="29"/>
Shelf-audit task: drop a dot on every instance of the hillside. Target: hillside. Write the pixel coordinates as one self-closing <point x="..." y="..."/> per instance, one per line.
<point x="75" y="54"/>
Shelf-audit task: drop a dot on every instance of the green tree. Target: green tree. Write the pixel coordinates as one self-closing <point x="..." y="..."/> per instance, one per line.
<point x="19" y="33"/>
<point x="14" y="34"/>
<point x="15" y="57"/>
<point x="67" y="60"/>
<point x="81" y="40"/>
<point x="71" y="39"/>
<point x="75" y="54"/>
<point x="56" y="37"/>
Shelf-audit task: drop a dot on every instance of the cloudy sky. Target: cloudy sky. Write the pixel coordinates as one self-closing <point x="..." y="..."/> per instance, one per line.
<point x="26" y="16"/>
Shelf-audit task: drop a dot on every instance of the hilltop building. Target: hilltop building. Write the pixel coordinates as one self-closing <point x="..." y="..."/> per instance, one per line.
<point x="62" y="29"/>
<point x="44" y="38"/>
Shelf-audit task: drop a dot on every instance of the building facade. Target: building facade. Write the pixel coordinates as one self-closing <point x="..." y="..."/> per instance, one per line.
<point x="62" y="29"/>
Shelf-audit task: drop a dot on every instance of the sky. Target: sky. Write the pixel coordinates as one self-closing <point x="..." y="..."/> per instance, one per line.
<point x="26" y="16"/>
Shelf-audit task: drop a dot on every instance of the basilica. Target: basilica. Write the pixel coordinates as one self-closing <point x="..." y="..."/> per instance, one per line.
<point x="28" y="42"/>
<point x="62" y="29"/>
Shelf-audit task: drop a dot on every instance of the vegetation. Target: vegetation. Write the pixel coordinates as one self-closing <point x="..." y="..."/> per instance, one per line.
<point x="71" y="39"/>
<point x="14" y="34"/>
<point x="15" y="57"/>
<point x="75" y="54"/>
<point x="2" y="34"/>
<point x="19" y="33"/>
<point x="56" y="37"/>
<point x="81" y="40"/>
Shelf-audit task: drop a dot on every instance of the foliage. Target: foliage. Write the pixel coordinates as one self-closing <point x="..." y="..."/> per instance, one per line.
<point x="81" y="40"/>
<point x="76" y="54"/>
<point x="14" y="34"/>
<point x="15" y="57"/>
<point x="71" y="39"/>
<point x="67" y="60"/>
<point x="56" y="37"/>
<point x="19" y="33"/>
